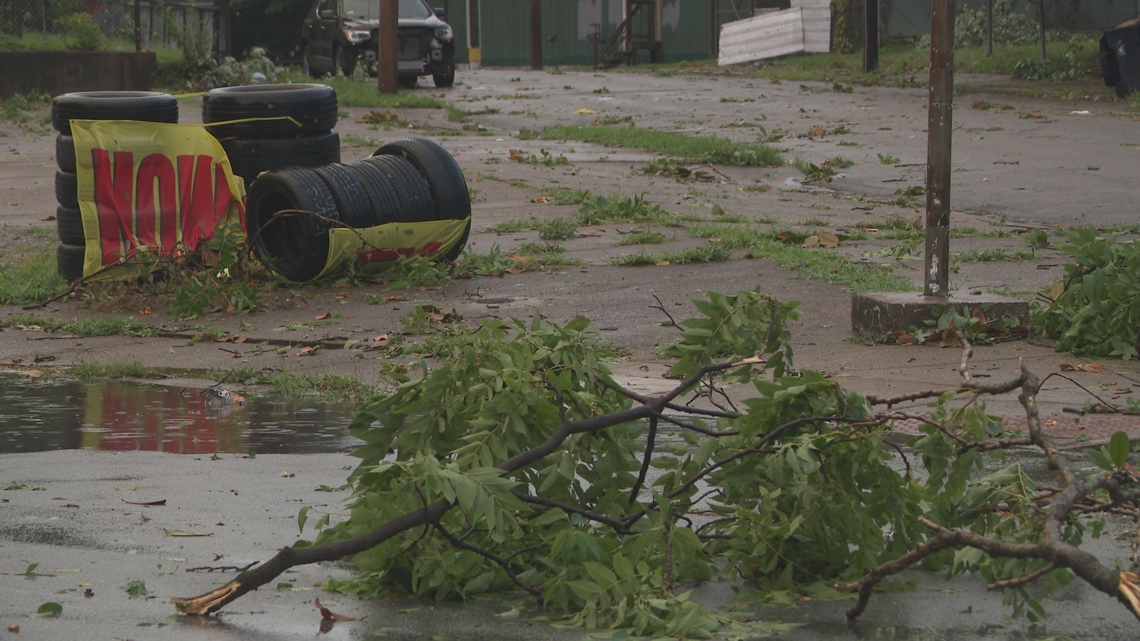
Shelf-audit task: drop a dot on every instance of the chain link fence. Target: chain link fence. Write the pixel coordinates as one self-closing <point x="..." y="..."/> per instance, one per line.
<point x="160" y="24"/>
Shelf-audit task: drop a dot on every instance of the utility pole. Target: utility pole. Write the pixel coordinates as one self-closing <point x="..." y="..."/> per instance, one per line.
<point x="870" y="35"/>
<point x="939" y="135"/>
<point x="536" y="35"/>
<point x="388" y="48"/>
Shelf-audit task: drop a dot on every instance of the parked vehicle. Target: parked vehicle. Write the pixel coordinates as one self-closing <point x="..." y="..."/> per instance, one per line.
<point x="339" y="34"/>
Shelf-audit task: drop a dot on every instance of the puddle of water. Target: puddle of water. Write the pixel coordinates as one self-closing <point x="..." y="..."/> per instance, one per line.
<point x="121" y="416"/>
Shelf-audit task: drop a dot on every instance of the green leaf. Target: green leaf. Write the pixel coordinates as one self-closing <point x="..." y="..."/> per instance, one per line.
<point x="303" y="516"/>
<point x="49" y="609"/>
<point x="1119" y="448"/>
<point x="1098" y="459"/>
<point x="135" y="588"/>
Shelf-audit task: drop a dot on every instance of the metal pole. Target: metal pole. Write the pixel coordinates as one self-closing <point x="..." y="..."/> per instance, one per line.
<point x="939" y="134"/>
<point x="388" y="48"/>
<point x="990" y="27"/>
<point x="43" y="20"/>
<point x="536" y="35"/>
<point x="870" y="35"/>
<point x="1041" y="12"/>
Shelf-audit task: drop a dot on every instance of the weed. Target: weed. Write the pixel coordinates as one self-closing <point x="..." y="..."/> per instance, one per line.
<point x="513" y="226"/>
<point x="546" y="159"/>
<point x="887" y="159"/>
<point x="527" y="134"/>
<point x="711" y="254"/>
<point x="813" y="172"/>
<point x="839" y="162"/>
<point x="816" y="222"/>
<point x="416" y="271"/>
<point x="600" y="210"/>
<point x="557" y="229"/>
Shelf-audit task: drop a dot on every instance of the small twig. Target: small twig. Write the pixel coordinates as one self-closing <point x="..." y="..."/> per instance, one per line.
<point x="617" y="525"/>
<point x="650" y="440"/>
<point x="1021" y="580"/>
<point x="967" y="352"/>
<point x="222" y="568"/>
<point x="661" y="306"/>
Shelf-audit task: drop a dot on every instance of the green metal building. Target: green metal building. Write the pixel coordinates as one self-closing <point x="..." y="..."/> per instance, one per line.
<point x="497" y="32"/>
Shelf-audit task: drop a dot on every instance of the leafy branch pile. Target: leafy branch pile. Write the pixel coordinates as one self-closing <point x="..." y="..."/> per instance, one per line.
<point x="519" y="464"/>
<point x="1097" y="312"/>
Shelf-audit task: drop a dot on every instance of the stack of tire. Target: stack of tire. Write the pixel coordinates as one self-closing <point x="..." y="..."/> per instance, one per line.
<point x="149" y="106"/>
<point x="269" y="127"/>
<point x="289" y="212"/>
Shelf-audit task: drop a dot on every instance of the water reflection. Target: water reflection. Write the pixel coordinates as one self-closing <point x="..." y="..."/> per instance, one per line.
<point x="118" y="415"/>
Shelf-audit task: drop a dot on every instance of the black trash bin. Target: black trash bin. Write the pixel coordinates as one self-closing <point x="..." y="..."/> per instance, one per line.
<point x="1120" y="59"/>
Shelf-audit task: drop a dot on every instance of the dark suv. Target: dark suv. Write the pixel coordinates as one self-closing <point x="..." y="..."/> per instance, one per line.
<point x="338" y="33"/>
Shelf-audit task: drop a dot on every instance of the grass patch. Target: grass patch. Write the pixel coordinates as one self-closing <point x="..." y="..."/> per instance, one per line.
<point x="991" y="255"/>
<point x="108" y="326"/>
<point x="696" y="149"/>
<point x="290" y="385"/>
<point x="514" y="226"/>
<point x="28" y="273"/>
<point x="643" y="238"/>
<point x="88" y="372"/>
<point x="567" y="196"/>
<point x="527" y="258"/>
<point x="353" y="93"/>
<point x="639" y="259"/>
<point x="820" y="264"/>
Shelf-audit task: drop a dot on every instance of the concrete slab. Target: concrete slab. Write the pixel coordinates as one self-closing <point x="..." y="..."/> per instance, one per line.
<point x="876" y="314"/>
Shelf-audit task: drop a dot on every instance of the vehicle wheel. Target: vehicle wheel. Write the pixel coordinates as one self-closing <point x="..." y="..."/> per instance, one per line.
<point x="416" y="204"/>
<point x="409" y="82"/>
<point x="294" y="245"/>
<point x="148" y="106"/>
<point x="444" y="78"/>
<point x="249" y="157"/>
<point x="65" y="152"/>
<point x="351" y="198"/>
<point x="67" y="189"/>
<point x="1121" y="89"/>
<point x="313" y="106"/>
<point x="345" y="62"/>
<point x="69" y="261"/>
<point x="307" y="63"/>
<point x="69" y="224"/>
<point x="382" y="194"/>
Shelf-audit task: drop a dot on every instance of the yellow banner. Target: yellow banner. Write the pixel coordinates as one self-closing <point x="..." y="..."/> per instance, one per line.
<point x="147" y="187"/>
<point x="381" y="245"/>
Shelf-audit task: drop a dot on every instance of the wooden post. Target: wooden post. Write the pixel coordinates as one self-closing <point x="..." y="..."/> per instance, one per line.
<point x="870" y="35"/>
<point x="536" y="35"/>
<point x="388" y="48"/>
<point x="939" y="135"/>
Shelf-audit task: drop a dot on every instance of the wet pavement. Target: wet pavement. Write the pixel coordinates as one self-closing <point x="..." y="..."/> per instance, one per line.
<point x="83" y="529"/>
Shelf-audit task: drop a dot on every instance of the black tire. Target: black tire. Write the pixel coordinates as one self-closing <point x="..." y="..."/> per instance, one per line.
<point x="416" y="204"/>
<point x="65" y="152"/>
<point x="313" y="106"/>
<point x="409" y="82"/>
<point x="351" y="197"/>
<point x="69" y="224"/>
<point x="69" y="261"/>
<point x="148" y="106"/>
<point x="67" y="189"/>
<point x="295" y="246"/>
<point x="381" y="192"/>
<point x="445" y="180"/>
<point x="444" y="177"/>
<point x="250" y="157"/>
<point x="444" y="79"/>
